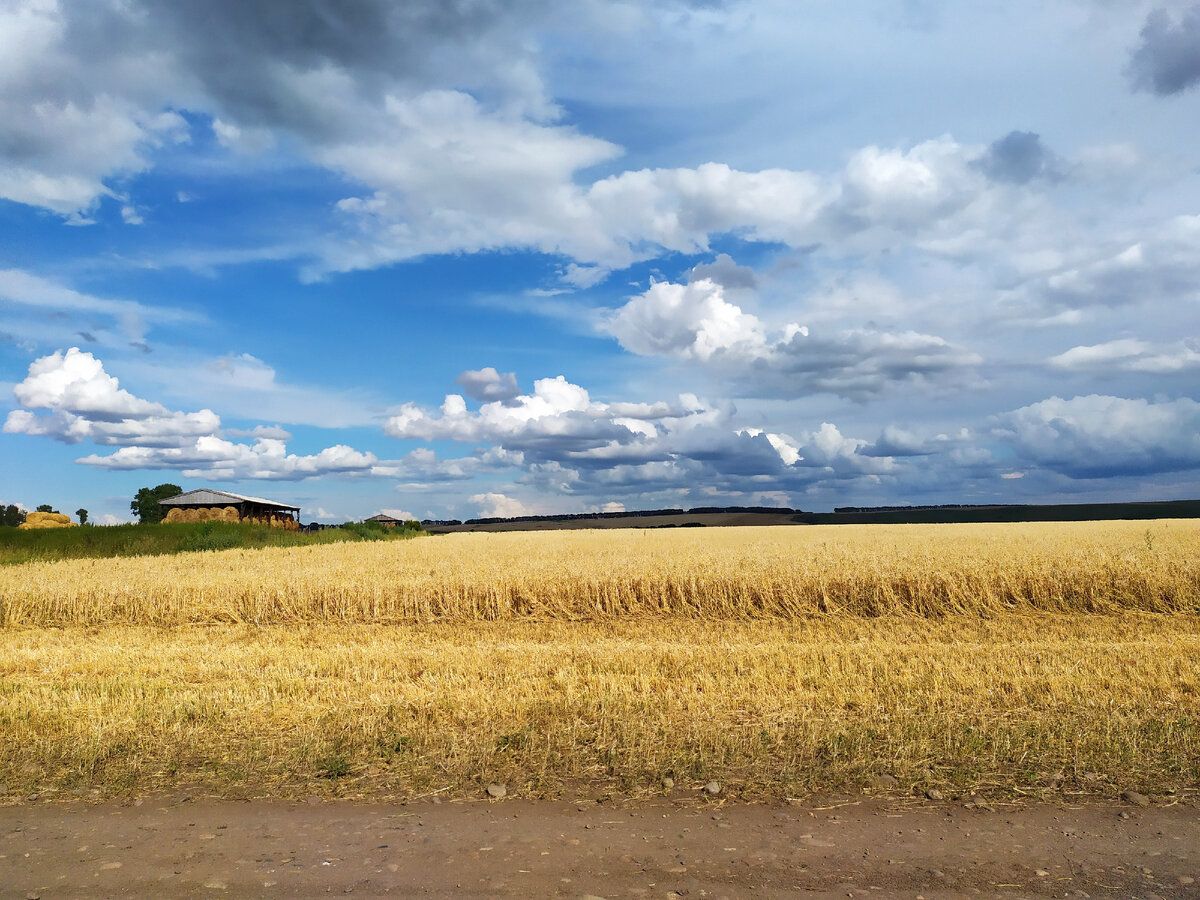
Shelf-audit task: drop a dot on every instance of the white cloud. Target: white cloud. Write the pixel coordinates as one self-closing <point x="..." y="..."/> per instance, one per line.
<point x="557" y="412"/>
<point x="1098" y="436"/>
<point x="86" y="403"/>
<point x="215" y="458"/>
<point x="690" y="321"/>
<point x="1131" y="355"/>
<point x="696" y="322"/>
<point x="76" y="382"/>
<point x="494" y="505"/>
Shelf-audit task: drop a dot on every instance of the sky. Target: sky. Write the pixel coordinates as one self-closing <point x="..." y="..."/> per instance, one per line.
<point x="452" y="258"/>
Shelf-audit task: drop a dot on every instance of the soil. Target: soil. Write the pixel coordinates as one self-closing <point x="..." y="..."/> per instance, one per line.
<point x="514" y="848"/>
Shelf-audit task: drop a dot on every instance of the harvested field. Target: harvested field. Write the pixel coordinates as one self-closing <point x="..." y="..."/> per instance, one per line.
<point x="1000" y="659"/>
<point x="769" y="709"/>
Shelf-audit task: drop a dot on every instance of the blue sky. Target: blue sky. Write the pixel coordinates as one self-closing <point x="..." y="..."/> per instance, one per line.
<point x="467" y="258"/>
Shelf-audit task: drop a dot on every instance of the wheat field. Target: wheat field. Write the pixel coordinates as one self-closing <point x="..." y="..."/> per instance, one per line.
<point x="779" y="661"/>
<point x="730" y="573"/>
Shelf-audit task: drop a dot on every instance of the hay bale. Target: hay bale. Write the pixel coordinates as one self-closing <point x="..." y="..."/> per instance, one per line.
<point x="230" y="514"/>
<point x="46" y="520"/>
<point x="172" y="514"/>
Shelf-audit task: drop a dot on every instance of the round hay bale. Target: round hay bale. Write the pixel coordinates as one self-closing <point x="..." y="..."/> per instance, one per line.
<point x="172" y="514"/>
<point x="230" y="514"/>
<point x="187" y="515"/>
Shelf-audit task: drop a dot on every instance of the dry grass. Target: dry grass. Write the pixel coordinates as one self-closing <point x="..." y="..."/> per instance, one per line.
<point x="742" y="573"/>
<point x="778" y="661"/>
<point x="770" y="709"/>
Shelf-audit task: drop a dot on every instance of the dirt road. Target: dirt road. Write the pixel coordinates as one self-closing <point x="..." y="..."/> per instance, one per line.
<point x="185" y="848"/>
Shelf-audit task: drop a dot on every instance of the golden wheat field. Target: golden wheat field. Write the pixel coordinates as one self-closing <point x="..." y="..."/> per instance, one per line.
<point x="778" y="661"/>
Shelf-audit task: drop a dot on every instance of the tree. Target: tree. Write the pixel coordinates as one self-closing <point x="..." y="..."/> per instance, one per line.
<point x="83" y="514"/>
<point x="12" y="515"/>
<point x="46" y="507"/>
<point x="146" y="504"/>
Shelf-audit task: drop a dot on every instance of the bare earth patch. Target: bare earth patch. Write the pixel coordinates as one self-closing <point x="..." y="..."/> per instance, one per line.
<point x="184" y="848"/>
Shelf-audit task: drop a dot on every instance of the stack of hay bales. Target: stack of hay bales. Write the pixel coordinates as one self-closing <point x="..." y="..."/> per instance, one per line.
<point x="47" y="520"/>
<point x="274" y="521"/>
<point x="202" y="514"/>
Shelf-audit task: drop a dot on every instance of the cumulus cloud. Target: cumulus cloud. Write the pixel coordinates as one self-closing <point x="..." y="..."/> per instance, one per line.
<point x="84" y="403"/>
<point x="696" y="322"/>
<point x="1131" y="355"/>
<point x="1100" y="436"/>
<point x="496" y="505"/>
<point x="557" y="413"/>
<point x="488" y="384"/>
<point x="565" y="443"/>
<point x="1166" y="59"/>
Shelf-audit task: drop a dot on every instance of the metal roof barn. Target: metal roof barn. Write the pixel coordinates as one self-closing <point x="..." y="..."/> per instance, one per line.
<point x="384" y="519"/>
<point x="204" y="503"/>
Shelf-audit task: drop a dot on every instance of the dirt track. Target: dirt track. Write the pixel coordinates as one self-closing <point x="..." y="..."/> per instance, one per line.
<point x="647" y="849"/>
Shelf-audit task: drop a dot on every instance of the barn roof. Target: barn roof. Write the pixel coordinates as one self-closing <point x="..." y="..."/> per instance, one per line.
<point x="208" y="497"/>
<point x="382" y="517"/>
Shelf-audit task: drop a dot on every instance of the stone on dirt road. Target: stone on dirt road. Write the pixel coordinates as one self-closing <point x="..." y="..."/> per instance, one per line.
<point x="497" y="791"/>
<point x="1135" y="798"/>
<point x="885" y="782"/>
<point x="712" y="788"/>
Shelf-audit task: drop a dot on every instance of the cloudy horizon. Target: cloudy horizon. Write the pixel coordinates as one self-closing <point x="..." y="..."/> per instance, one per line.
<point x="450" y="259"/>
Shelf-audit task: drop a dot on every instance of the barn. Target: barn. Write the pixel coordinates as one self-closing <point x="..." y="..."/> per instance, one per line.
<point x="205" y="505"/>
<point x="387" y="520"/>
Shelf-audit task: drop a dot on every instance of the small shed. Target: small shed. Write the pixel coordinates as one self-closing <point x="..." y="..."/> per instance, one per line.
<point x="205" y="505"/>
<point x="382" y="519"/>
